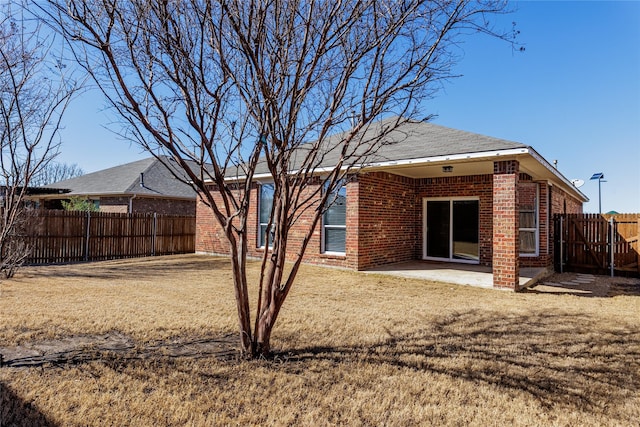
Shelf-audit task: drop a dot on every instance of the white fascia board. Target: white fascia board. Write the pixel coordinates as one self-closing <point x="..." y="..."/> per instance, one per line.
<point x="480" y="155"/>
<point x="451" y="157"/>
<point x="484" y="155"/>
<point x="407" y="162"/>
<point x="557" y="174"/>
<point x="259" y="176"/>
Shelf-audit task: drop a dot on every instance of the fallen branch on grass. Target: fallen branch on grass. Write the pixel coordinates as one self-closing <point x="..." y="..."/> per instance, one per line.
<point x="82" y="349"/>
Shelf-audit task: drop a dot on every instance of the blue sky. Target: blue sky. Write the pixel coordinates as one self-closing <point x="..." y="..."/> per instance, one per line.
<point x="573" y="95"/>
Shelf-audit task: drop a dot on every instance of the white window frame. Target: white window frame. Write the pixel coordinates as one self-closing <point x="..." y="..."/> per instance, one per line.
<point x="260" y="243"/>
<point x="425" y="200"/>
<point x="334" y="227"/>
<point x="535" y="229"/>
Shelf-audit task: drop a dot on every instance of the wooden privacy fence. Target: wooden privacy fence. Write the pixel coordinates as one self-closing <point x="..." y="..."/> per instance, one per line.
<point x="599" y="244"/>
<point x="73" y="236"/>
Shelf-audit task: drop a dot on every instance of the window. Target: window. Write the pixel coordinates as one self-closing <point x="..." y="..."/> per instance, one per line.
<point x="528" y="194"/>
<point x="265" y="204"/>
<point x="334" y="221"/>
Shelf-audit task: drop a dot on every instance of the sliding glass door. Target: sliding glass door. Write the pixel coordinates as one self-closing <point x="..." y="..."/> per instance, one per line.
<point x="451" y="230"/>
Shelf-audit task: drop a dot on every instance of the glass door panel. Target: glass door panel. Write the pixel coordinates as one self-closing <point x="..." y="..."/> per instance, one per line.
<point x="452" y="230"/>
<point x="465" y="219"/>
<point x="438" y="213"/>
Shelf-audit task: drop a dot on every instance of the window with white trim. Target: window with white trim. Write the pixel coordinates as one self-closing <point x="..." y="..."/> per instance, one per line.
<point x="265" y="205"/>
<point x="334" y="221"/>
<point x="528" y="194"/>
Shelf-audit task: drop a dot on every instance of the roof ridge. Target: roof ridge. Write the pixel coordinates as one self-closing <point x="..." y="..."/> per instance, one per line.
<point x="98" y="172"/>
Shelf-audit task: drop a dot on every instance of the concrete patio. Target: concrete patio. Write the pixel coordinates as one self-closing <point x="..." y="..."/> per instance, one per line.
<point x="459" y="274"/>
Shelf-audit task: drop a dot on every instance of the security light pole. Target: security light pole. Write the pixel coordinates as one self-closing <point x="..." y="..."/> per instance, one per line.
<point x="599" y="176"/>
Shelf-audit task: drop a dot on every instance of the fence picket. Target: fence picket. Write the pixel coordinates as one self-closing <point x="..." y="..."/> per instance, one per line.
<point x="597" y="243"/>
<point x="68" y="236"/>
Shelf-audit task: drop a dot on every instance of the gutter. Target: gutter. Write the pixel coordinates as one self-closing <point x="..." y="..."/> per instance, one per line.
<point x="480" y="155"/>
<point x="554" y="170"/>
<point x="453" y="157"/>
<point x="417" y="161"/>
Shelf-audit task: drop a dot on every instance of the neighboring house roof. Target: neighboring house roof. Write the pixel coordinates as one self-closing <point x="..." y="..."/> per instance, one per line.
<point x="157" y="181"/>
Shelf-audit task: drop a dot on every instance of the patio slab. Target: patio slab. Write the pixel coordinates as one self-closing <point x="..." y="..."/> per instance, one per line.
<point x="459" y="274"/>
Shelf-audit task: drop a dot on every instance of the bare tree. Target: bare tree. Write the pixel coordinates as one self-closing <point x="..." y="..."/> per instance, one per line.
<point x="281" y="87"/>
<point x="54" y="172"/>
<point x="33" y="96"/>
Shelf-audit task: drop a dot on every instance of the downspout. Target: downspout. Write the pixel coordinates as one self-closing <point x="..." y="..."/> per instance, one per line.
<point x="131" y="203"/>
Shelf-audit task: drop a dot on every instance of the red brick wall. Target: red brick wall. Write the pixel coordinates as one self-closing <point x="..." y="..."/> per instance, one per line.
<point x="527" y="191"/>
<point x="563" y="203"/>
<point x="552" y="200"/>
<point x="479" y="186"/>
<point x="389" y="228"/>
<point x="386" y="228"/>
<point x="164" y="206"/>
<point x="148" y="205"/>
<point x="506" y="268"/>
<point x="211" y="239"/>
<point x="545" y="257"/>
<point x="384" y="219"/>
<point x="114" y="204"/>
<point x="313" y="253"/>
<point x="209" y="235"/>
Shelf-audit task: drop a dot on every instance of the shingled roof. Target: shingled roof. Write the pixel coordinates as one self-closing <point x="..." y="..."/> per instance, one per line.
<point x="417" y="149"/>
<point x="415" y="140"/>
<point x="411" y="140"/>
<point x="148" y="177"/>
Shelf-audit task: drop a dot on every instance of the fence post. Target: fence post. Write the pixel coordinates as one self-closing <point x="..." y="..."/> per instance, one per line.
<point x="612" y="243"/>
<point x="155" y="232"/>
<point x="561" y="244"/>
<point x="87" y="234"/>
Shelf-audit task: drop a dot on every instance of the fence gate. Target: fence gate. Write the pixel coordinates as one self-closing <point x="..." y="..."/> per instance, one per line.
<point x="598" y="244"/>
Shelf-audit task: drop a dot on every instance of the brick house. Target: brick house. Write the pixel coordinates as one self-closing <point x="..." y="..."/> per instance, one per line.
<point x="431" y="193"/>
<point x="143" y="186"/>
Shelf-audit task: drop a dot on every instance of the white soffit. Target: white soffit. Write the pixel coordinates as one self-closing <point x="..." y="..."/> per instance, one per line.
<point x="478" y="163"/>
<point x="463" y="164"/>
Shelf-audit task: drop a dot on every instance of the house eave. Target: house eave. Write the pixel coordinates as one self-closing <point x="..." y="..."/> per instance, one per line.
<point x="471" y="163"/>
<point x="567" y="183"/>
<point x="461" y="157"/>
<point x="371" y="166"/>
<point x="463" y="164"/>
<point x="99" y="195"/>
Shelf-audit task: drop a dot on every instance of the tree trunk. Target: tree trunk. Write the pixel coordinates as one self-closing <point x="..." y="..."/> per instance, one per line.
<point x="265" y="323"/>
<point x="238" y="266"/>
<point x="262" y="343"/>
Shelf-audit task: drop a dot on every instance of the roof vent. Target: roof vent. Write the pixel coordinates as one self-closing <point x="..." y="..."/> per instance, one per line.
<point x="142" y="179"/>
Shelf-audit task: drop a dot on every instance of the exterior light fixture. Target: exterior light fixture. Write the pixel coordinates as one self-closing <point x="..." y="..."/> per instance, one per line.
<point x="600" y="177"/>
<point x="447" y="169"/>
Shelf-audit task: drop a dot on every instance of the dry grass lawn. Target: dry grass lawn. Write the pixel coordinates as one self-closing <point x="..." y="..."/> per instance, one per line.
<point x="352" y="349"/>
